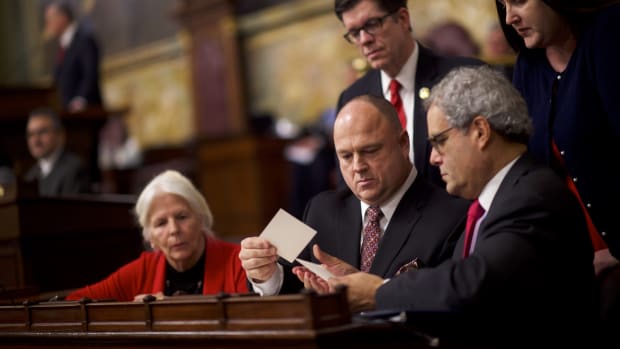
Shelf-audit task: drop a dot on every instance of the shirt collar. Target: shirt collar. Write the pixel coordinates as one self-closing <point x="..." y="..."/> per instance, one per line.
<point x="490" y="189"/>
<point x="47" y="164"/>
<point x="67" y="36"/>
<point x="406" y="76"/>
<point x="389" y="207"/>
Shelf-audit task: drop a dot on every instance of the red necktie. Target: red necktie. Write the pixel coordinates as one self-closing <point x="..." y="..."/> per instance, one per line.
<point x="60" y="55"/>
<point x="372" y="235"/>
<point x="473" y="215"/>
<point x="397" y="102"/>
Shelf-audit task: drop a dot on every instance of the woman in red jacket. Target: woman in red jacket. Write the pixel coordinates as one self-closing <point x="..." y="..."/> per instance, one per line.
<point x="186" y="257"/>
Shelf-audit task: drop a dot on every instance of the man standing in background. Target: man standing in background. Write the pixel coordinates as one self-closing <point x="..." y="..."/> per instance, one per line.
<point x="76" y="67"/>
<point x="403" y="71"/>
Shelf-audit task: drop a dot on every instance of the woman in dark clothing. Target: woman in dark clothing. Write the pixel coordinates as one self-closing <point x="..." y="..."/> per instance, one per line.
<point x="568" y="70"/>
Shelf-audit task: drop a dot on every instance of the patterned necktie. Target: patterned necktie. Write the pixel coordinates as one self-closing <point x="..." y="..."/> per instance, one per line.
<point x="397" y="102"/>
<point x="372" y="235"/>
<point x="473" y="215"/>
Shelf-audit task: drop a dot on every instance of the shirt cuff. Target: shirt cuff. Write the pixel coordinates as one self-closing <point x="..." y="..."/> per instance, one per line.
<point x="272" y="286"/>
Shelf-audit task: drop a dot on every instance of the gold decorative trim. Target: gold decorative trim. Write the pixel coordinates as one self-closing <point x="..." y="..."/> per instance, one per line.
<point x="281" y="15"/>
<point x="162" y="50"/>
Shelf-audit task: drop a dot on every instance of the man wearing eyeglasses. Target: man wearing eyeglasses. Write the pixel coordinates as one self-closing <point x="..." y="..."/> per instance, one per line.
<point x="388" y="219"/>
<point x="381" y="29"/>
<point x="57" y="170"/>
<point x="522" y="271"/>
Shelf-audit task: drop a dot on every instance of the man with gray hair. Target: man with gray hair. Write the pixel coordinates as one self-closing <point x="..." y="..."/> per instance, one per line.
<point x="523" y="265"/>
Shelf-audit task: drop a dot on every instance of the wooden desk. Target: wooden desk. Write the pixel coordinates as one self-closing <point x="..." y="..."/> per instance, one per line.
<point x="55" y="243"/>
<point x="291" y="321"/>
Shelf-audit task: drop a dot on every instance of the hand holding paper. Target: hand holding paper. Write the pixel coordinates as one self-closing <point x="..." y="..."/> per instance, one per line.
<point x="330" y="266"/>
<point x="288" y="234"/>
<point x="317" y="269"/>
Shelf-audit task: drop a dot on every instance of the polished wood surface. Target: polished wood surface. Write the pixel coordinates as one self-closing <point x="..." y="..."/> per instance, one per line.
<point x="219" y="103"/>
<point x="232" y="321"/>
<point x="58" y="243"/>
<point x="245" y="180"/>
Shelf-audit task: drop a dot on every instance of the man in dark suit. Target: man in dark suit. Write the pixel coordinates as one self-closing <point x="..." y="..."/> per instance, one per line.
<point x="381" y="29"/>
<point x="57" y="171"/>
<point x="525" y="266"/>
<point x="76" y="69"/>
<point x="420" y="221"/>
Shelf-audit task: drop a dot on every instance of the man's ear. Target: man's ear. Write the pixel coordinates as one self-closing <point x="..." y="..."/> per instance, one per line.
<point x="404" y="141"/>
<point x="481" y="130"/>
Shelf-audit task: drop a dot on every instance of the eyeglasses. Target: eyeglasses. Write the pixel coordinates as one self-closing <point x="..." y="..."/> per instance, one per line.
<point x="437" y="141"/>
<point x="371" y="27"/>
<point x="38" y="132"/>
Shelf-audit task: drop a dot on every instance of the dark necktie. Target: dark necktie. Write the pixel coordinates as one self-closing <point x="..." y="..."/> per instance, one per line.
<point x="60" y="55"/>
<point x="397" y="102"/>
<point x="372" y="235"/>
<point x="473" y="215"/>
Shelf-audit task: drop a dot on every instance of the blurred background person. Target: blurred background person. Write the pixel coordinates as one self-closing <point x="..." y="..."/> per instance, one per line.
<point x="7" y="175"/>
<point x="497" y="52"/>
<point x="186" y="259"/>
<point x="451" y="39"/>
<point x="76" y="68"/>
<point x="117" y="148"/>
<point x="57" y="171"/>
<point x="313" y="155"/>
<point x="496" y="47"/>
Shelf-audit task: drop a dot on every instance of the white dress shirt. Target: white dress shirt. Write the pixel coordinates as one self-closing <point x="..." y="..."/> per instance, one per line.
<point x="486" y="198"/>
<point x="274" y="284"/>
<point x="406" y="78"/>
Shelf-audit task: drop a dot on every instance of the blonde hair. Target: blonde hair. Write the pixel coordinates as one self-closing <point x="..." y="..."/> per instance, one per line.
<point x="171" y="182"/>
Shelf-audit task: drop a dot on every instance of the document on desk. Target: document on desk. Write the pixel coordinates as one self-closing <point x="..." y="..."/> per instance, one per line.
<point x="318" y="269"/>
<point x="288" y="234"/>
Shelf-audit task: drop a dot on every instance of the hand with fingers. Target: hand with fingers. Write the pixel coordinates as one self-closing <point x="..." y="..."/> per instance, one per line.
<point x="258" y="258"/>
<point x="335" y="265"/>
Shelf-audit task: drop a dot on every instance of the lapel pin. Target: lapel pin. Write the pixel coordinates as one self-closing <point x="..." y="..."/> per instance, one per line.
<point x="424" y="93"/>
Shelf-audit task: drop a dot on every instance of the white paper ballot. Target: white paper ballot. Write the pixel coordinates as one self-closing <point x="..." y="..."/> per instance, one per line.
<point x="318" y="269"/>
<point x="288" y="234"/>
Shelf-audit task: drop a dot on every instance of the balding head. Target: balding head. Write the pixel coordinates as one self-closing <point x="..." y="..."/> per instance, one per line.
<point x="372" y="148"/>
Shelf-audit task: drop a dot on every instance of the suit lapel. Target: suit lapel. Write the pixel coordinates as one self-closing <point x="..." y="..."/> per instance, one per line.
<point x="375" y="88"/>
<point x="349" y="231"/>
<point x="523" y="164"/>
<point x="400" y="228"/>
<point x="426" y="74"/>
<point x="71" y="50"/>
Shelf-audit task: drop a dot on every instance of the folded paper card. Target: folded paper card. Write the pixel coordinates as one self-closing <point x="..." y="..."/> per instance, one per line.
<point x="288" y="234"/>
<point x="318" y="269"/>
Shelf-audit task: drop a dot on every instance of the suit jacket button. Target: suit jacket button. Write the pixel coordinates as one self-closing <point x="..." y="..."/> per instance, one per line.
<point x="575" y="179"/>
<point x="604" y="233"/>
<point x="562" y="152"/>
<point x="589" y="205"/>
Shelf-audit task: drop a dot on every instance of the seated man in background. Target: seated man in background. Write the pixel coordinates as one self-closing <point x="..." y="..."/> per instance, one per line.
<point x="523" y="269"/>
<point x="387" y="210"/>
<point x="57" y="170"/>
<point x="187" y="258"/>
